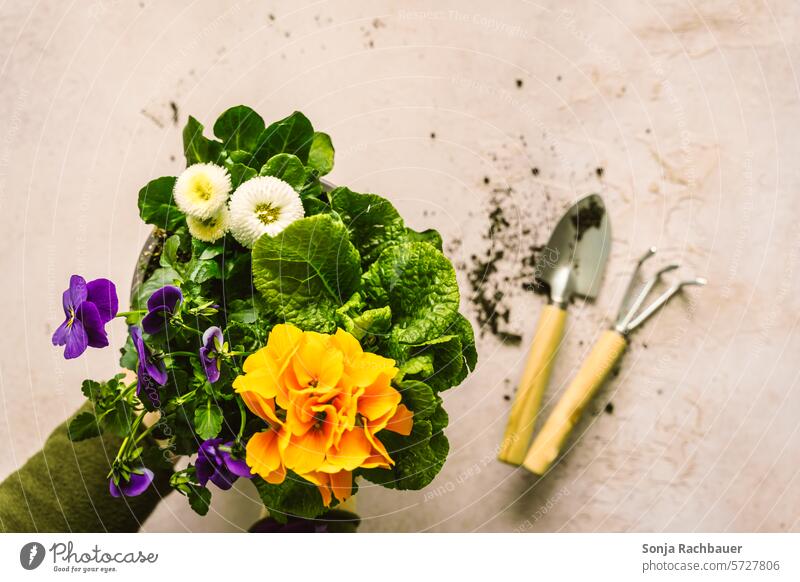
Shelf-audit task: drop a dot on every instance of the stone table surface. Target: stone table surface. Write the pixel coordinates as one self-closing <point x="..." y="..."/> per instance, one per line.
<point x="484" y="120"/>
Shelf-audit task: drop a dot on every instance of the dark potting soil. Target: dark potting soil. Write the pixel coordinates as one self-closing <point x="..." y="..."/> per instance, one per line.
<point x="520" y="221"/>
<point x="589" y="217"/>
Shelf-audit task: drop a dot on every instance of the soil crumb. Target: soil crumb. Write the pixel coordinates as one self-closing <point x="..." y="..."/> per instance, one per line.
<point x="589" y="217"/>
<point x="175" y="112"/>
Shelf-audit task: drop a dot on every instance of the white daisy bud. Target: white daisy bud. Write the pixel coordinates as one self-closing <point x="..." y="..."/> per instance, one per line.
<point x="210" y="229"/>
<point x="202" y="189"/>
<point x="263" y="205"/>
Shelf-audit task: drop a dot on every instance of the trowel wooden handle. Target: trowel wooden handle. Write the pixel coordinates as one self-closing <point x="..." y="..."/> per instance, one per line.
<point x="532" y="385"/>
<point x="547" y="444"/>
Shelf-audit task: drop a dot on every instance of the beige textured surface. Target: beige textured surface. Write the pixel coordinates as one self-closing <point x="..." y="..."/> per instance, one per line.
<point x="691" y="109"/>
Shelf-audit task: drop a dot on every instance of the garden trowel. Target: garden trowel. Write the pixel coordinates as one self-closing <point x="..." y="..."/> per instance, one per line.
<point x="571" y="264"/>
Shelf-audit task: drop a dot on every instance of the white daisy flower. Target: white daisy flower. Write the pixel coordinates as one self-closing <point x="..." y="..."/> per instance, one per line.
<point x="202" y="189"/>
<point x="210" y="229"/>
<point x="263" y="205"/>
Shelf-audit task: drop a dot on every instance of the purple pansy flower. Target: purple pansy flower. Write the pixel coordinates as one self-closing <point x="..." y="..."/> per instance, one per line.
<point x="136" y="485"/>
<point x="151" y="373"/>
<point x="219" y="466"/>
<point x="210" y="352"/>
<point x="87" y="307"/>
<point x="161" y="305"/>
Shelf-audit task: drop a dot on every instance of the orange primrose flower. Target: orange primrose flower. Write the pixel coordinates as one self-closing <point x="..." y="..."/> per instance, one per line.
<point x="324" y="400"/>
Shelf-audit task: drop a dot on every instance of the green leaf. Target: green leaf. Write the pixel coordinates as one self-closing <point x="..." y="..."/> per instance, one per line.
<point x="169" y="253"/>
<point x="240" y="173"/>
<point x="242" y="310"/>
<point x="419" y="284"/>
<point x="430" y="236"/>
<point x="421" y="364"/>
<point x="242" y="157"/>
<point x="156" y="205"/>
<point x="446" y="359"/>
<point x="418" y="457"/>
<point x="202" y="271"/>
<point x="129" y="358"/>
<point x="239" y="128"/>
<point x="294" y="497"/>
<point x="320" y="157"/>
<point x="159" y="278"/>
<point x="439" y="419"/>
<point x="288" y="168"/>
<point x="443" y="362"/>
<point x="196" y="147"/>
<point x="83" y="426"/>
<point x="199" y="498"/>
<point x="118" y="420"/>
<point x="305" y="272"/>
<point x="205" y="251"/>
<point x="374" y="322"/>
<point x="354" y="319"/>
<point x="92" y="390"/>
<point x="208" y="420"/>
<point x="463" y="329"/>
<point x="419" y="398"/>
<point x="374" y="223"/>
<point x="292" y="135"/>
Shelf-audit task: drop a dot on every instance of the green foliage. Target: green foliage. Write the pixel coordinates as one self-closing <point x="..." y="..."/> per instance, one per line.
<point x="288" y="168"/>
<point x="292" y="135"/>
<point x="320" y="157"/>
<point x="83" y="426"/>
<point x="239" y="128"/>
<point x="351" y="263"/>
<point x="185" y="482"/>
<point x="240" y="173"/>
<point x="305" y="272"/>
<point x="208" y="420"/>
<point x="156" y="205"/>
<point x="419" y="284"/>
<point x="196" y="147"/>
<point x="418" y="457"/>
<point x="374" y="223"/>
<point x="295" y="497"/>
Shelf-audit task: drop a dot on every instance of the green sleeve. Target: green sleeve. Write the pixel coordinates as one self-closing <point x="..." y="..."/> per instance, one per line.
<point x="64" y="488"/>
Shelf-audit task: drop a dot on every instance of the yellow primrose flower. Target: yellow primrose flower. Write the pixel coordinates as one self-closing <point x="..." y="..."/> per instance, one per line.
<point x="324" y="400"/>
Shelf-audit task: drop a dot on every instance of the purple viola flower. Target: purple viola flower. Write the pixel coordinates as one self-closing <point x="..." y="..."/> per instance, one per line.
<point x="215" y="463"/>
<point x="210" y="352"/>
<point x="151" y="373"/>
<point x="88" y="307"/>
<point x="137" y="484"/>
<point x="161" y="305"/>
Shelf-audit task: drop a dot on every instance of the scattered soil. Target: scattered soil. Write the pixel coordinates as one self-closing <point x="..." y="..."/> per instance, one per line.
<point x="590" y="217"/>
<point x="175" y="112"/>
<point x="609" y="409"/>
<point x="521" y="215"/>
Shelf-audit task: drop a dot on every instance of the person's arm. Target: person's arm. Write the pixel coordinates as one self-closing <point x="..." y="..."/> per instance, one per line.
<point x="64" y="488"/>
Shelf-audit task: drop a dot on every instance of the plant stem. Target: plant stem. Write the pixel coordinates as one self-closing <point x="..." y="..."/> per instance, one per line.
<point x="187" y="354"/>
<point x="123" y="394"/>
<point x="132" y="312"/>
<point x="242" y="416"/>
<point x="187" y="327"/>
<point x="145" y="432"/>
